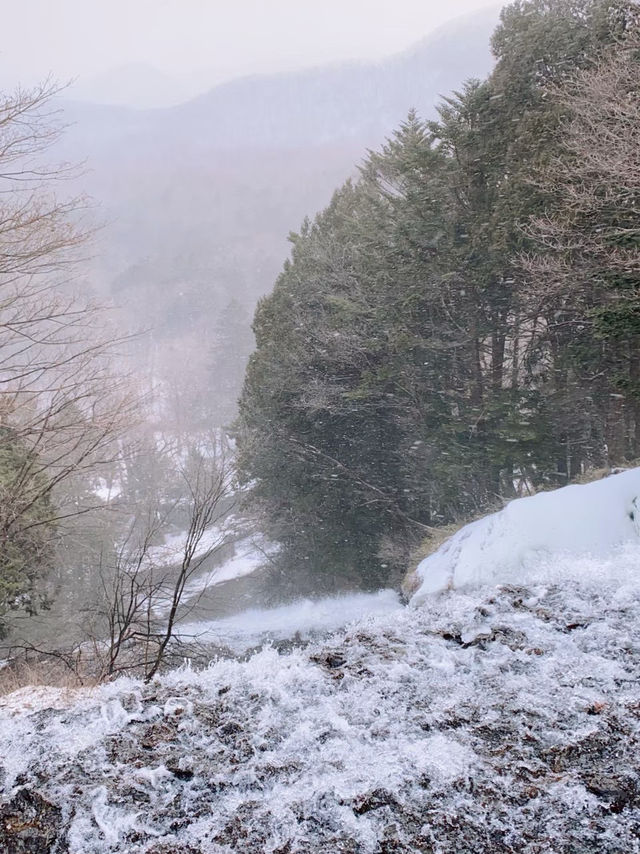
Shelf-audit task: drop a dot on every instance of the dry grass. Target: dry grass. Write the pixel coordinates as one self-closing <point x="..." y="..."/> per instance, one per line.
<point x="44" y="671"/>
<point x="433" y="542"/>
<point x="591" y="475"/>
<point x="426" y="547"/>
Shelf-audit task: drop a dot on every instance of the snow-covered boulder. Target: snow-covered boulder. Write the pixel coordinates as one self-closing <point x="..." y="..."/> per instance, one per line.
<point x="540" y="536"/>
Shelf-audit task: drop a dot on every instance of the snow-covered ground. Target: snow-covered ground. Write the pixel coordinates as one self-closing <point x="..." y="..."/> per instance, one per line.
<point x="249" y="555"/>
<point x="302" y="620"/>
<point x="172" y="549"/>
<point x="540" y="536"/>
<point x="501" y="715"/>
<point x="250" y="552"/>
<point x="489" y="722"/>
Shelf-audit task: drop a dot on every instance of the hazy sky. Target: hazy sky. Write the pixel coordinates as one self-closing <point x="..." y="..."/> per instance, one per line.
<point x="212" y="38"/>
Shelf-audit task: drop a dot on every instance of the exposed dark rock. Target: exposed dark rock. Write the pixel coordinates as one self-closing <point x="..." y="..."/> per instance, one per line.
<point x="29" y="824"/>
<point x="178" y="771"/>
<point x="373" y="801"/>
<point x="332" y="660"/>
<point x="618" y="791"/>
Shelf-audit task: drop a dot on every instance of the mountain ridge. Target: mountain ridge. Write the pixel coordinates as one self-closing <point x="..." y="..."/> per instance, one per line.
<point x="319" y="104"/>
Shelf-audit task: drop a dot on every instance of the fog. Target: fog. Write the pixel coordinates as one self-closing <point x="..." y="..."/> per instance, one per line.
<point x="188" y="208"/>
<point x="158" y="52"/>
<point x="319" y="426"/>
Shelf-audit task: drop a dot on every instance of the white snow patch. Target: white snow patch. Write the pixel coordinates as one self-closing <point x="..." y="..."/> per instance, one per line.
<point x="25" y="700"/>
<point x="172" y="550"/>
<point x="107" y="490"/>
<point x="542" y="537"/>
<point x="112" y="822"/>
<point x="176" y="706"/>
<point x="248" y="557"/>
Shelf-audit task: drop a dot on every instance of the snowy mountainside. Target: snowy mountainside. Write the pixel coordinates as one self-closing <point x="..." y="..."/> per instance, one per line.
<point x="540" y="536"/>
<point x="499" y="717"/>
<point x="491" y="721"/>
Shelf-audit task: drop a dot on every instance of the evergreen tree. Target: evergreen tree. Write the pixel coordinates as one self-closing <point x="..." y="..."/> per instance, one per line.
<point x="27" y="529"/>
<point x="407" y="372"/>
<point x="231" y="345"/>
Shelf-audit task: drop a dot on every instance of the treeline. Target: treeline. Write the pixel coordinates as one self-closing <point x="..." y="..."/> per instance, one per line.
<point x="461" y="324"/>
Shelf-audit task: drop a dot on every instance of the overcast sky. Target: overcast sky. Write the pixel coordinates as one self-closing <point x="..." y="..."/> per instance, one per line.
<point x="207" y="38"/>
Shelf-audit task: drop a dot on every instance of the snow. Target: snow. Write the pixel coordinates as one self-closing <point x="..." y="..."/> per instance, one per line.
<point x="107" y="490"/>
<point x="249" y="556"/>
<point x="539" y="537"/>
<point x="302" y="619"/>
<point x="172" y="550"/>
<point x="487" y="720"/>
<point x="33" y="697"/>
<point x="502" y="715"/>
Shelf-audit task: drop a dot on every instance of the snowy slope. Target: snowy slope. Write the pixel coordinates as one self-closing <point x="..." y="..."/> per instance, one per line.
<point x="494" y="719"/>
<point x="539" y="536"/>
<point x="249" y="555"/>
<point x="303" y="619"/>
<point x="487" y="722"/>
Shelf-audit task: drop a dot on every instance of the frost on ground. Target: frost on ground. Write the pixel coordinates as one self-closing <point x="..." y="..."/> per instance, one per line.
<point x="527" y="538"/>
<point x="500" y="720"/>
<point x="300" y="620"/>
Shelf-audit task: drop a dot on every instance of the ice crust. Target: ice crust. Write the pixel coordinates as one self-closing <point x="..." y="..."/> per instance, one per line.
<point x="302" y="619"/>
<point x="539" y="536"/>
<point x="501" y="715"/>
<point x="486" y="721"/>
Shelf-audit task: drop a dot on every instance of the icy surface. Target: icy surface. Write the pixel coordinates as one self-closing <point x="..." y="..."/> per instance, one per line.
<point x="540" y="536"/>
<point x="302" y="619"/>
<point x="484" y="722"/>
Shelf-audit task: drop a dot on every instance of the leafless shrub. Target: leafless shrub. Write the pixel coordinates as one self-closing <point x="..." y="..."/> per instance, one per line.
<point x="142" y="594"/>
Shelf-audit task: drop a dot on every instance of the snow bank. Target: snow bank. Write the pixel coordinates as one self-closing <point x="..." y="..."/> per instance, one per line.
<point x="539" y="536"/>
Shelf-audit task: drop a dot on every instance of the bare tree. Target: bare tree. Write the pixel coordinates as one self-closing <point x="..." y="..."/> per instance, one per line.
<point x="145" y="590"/>
<point x="584" y="271"/>
<point x="592" y="226"/>
<point x="63" y="399"/>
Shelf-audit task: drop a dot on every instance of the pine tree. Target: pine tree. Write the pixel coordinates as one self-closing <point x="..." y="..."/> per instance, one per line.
<point x="231" y="344"/>
<point x="406" y="371"/>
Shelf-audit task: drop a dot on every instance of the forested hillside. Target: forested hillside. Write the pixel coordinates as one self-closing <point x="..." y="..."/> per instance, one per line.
<point x="113" y="419"/>
<point x="204" y="642"/>
<point x="460" y="324"/>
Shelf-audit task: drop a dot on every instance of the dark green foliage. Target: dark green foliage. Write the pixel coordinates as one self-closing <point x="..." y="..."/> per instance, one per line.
<point x="231" y="344"/>
<point x="409" y="370"/>
<point x="26" y="532"/>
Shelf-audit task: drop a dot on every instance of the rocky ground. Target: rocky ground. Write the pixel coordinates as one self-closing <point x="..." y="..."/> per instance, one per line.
<point x="506" y="720"/>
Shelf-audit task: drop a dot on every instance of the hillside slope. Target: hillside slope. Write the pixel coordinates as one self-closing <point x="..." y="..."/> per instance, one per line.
<point x="489" y="720"/>
<point x="578" y="527"/>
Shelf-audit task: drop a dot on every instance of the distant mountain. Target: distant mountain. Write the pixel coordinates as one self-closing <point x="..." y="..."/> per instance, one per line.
<point x="135" y="85"/>
<point x="198" y="198"/>
<point x="363" y="101"/>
